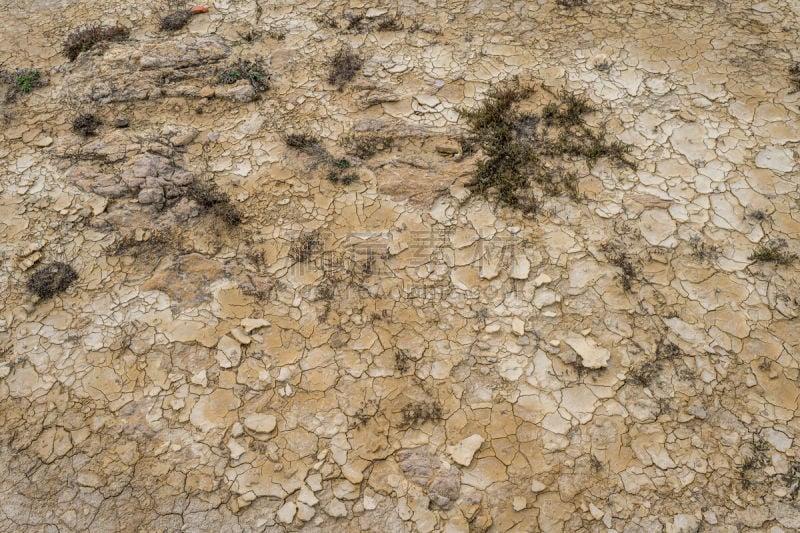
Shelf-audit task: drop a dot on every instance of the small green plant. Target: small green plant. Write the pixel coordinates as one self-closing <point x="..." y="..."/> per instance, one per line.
<point x="86" y="124"/>
<point x="773" y="253"/>
<point x="245" y="69"/>
<point x="344" y="67"/>
<point x="365" y="146"/>
<point x="175" y="20"/>
<point x="51" y="279"/>
<point x="85" y="39"/>
<point x="22" y="81"/>
<point x="26" y="80"/>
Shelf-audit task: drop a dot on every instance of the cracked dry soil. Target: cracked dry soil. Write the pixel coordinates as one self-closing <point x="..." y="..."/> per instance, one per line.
<point x="262" y="293"/>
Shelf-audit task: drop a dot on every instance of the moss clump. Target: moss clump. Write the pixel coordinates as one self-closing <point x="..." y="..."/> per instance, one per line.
<point x="51" y="279"/>
<point x="85" y="39"/>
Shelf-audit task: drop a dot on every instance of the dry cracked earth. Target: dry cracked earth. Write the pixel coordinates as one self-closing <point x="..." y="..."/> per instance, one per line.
<point x="259" y="290"/>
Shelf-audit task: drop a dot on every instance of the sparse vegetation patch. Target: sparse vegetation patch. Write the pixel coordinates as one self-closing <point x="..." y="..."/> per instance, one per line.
<point x="51" y="279"/>
<point x="703" y="251"/>
<point x="646" y="372"/>
<point x="156" y="244"/>
<point x="86" y="124"/>
<point x="245" y="69"/>
<point x="304" y="247"/>
<point x="344" y="67"/>
<point x="389" y="23"/>
<point x="302" y="141"/>
<point x="524" y="149"/>
<point x="208" y="196"/>
<point x="85" y="39"/>
<point x="794" y="77"/>
<point x="417" y="413"/>
<point x="618" y="257"/>
<point x="754" y="460"/>
<point x="365" y="146"/>
<point x="773" y="253"/>
<point x="175" y="20"/>
<point x="22" y="81"/>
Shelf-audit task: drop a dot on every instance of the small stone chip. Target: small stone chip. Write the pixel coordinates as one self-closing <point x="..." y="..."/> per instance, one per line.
<point x="463" y="452"/>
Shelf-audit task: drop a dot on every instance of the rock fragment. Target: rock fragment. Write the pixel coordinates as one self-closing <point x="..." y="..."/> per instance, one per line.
<point x="463" y="452"/>
<point x="520" y="267"/>
<point x="260" y="425"/>
<point x="592" y="355"/>
<point x="229" y="352"/>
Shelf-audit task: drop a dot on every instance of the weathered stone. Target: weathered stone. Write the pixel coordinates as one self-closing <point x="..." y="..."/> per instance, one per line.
<point x="260" y="425"/>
